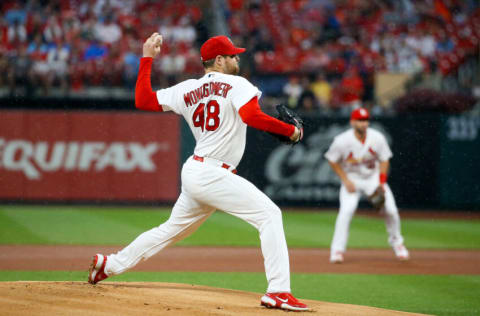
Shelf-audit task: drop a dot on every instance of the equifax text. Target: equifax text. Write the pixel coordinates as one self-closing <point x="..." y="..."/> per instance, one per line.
<point x="35" y="158"/>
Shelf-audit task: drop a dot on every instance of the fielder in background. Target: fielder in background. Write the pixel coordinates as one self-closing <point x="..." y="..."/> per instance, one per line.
<point x="360" y="157"/>
<point x="217" y="107"/>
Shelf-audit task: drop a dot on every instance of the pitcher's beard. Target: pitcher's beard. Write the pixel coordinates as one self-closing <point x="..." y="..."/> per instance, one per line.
<point x="234" y="70"/>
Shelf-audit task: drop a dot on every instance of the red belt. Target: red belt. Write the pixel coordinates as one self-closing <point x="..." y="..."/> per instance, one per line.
<point x="224" y="165"/>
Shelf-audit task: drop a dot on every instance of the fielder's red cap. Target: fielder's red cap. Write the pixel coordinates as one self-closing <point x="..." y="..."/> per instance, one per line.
<point x="219" y="45"/>
<point x="360" y="114"/>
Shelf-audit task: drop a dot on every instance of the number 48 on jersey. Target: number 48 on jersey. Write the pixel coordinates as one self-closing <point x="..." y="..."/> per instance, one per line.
<point x="211" y="120"/>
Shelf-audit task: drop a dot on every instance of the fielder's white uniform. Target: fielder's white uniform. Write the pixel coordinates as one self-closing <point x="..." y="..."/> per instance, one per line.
<point x="210" y="106"/>
<point x="361" y="161"/>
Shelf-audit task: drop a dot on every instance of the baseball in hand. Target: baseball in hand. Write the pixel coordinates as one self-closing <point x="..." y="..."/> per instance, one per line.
<point x="158" y="40"/>
<point x="152" y="46"/>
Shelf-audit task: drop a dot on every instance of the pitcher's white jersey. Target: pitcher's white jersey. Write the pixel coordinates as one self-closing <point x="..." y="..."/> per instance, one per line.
<point x="357" y="158"/>
<point x="210" y="106"/>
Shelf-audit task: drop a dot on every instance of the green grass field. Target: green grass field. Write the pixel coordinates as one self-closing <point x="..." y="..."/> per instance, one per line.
<point x="431" y="294"/>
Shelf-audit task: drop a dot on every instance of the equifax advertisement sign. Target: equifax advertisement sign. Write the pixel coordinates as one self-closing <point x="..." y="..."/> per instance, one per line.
<point x="89" y="156"/>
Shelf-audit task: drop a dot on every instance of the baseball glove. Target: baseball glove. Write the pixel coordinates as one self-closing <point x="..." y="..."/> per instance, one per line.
<point x="377" y="198"/>
<point x="288" y="116"/>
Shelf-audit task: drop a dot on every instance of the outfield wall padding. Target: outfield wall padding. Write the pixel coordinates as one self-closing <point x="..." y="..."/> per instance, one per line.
<point x="89" y="156"/>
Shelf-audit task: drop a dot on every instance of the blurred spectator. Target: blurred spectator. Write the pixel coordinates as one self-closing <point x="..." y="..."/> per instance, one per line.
<point x="352" y="90"/>
<point x="307" y="102"/>
<point x="41" y="75"/>
<point x="292" y="90"/>
<point x="19" y="71"/>
<point x="53" y="29"/>
<point x="131" y="62"/>
<point x="57" y="60"/>
<point x="35" y="25"/>
<point x="427" y="44"/>
<point x="423" y="45"/>
<point x="322" y="90"/>
<point x="37" y="49"/>
<point x="172" y="63"/>
<point x="16" y="32"/>
<point x="444" y="43"/>
<point x="108" y="31"/>
<point x="112" y="67"/>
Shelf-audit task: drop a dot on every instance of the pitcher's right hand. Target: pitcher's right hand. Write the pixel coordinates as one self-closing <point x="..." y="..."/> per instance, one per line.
<point x="151" y="47"/>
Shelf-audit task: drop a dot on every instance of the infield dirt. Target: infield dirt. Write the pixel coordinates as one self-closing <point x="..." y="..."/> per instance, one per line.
<point x="228" y="259"/>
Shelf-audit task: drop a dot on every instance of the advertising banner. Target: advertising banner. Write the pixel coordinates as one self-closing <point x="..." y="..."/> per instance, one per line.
<point x="91" y="156"/>
<point x="300" y="175"/>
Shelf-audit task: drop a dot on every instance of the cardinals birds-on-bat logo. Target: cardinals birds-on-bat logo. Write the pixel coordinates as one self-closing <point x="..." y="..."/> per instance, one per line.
<point x="355" y="161"/>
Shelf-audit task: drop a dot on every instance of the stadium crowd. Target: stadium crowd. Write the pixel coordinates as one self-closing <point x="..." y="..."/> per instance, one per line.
<point x="75" y="44"/>
<point x="334" y="48"/>
<point x="325" y="52"/>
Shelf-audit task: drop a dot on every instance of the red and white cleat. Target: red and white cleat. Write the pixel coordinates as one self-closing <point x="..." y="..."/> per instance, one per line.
<point x="282" y="301"/>
<point x="401" y="252"/>
<point x="96" y="272"/>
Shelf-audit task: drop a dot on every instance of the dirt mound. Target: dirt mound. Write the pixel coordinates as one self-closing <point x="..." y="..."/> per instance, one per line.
<point x="81" y="298"/>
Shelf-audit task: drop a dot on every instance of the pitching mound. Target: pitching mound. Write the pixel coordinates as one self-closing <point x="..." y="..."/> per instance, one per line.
<point x="81" y="298"/>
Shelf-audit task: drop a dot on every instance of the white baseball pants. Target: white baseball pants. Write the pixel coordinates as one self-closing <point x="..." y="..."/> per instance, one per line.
<point x="348" y="206"/>
<point x="206" y="186"/>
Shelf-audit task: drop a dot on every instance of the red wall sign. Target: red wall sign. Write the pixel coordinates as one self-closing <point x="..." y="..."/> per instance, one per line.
<point x="89" y="156"/>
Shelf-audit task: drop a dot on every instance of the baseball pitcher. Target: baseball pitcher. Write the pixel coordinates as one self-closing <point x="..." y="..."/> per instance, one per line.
<point x="360" y="157"/>
<point x="217" y="107"/>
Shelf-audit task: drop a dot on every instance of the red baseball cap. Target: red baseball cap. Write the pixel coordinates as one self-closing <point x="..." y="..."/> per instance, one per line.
<point x="360" y="114"/>
<point x="219" y="45"/>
